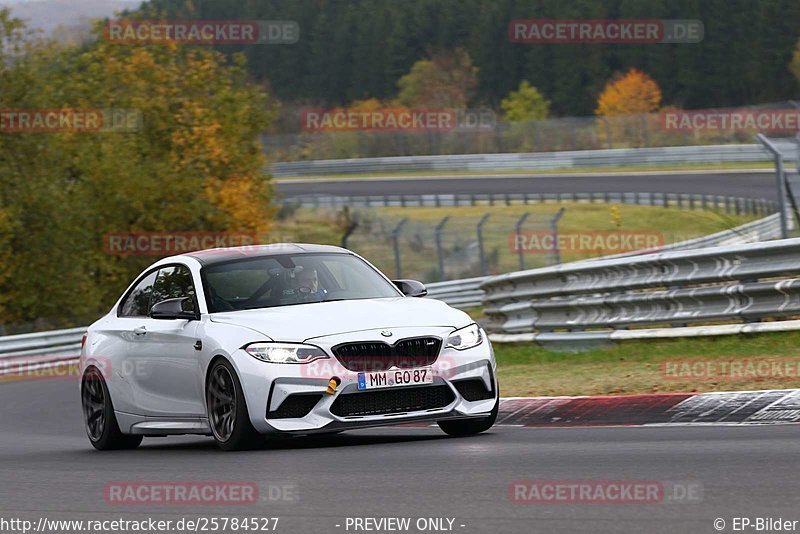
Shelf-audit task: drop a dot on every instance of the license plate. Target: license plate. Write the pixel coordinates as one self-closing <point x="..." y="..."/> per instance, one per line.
<point x="398" y="377"/>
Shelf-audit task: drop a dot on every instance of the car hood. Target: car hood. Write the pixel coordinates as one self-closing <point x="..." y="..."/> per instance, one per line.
<point x="305" y="321"/>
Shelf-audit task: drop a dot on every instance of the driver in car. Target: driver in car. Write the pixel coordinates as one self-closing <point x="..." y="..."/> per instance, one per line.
<point x="308" y="285"/>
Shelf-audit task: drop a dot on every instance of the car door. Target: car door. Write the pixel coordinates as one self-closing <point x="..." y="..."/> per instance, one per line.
<point x="116" y="333"/>
<point x="163" y="358"/>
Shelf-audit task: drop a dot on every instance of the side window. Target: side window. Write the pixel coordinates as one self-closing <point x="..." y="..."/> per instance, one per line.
<point x="137" y="304"/>
<point x="172" y="282"/>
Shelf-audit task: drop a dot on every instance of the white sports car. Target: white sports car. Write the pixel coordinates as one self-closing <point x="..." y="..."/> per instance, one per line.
<point x="238" y="343"/>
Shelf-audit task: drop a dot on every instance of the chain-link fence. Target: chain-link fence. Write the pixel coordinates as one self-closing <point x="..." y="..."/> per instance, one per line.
<point x="557" y="134"/>
<point x="450" y="247"/>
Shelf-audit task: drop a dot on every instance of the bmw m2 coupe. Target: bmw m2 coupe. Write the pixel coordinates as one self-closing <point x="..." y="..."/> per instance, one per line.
<point x="241" y="343"/>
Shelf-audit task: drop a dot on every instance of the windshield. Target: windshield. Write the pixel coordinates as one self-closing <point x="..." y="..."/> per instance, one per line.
<point x="291" y="279"/>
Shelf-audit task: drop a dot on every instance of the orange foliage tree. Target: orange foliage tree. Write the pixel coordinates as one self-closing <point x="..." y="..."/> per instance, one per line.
<point x="624" y="103"/>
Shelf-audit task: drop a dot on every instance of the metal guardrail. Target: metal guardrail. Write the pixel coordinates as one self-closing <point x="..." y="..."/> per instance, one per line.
<point x="42" y="343"/>
<point x="468" y="293"/>
<point x="463" y="294"/>
<point x="28" y="354"/>
<point x="534" y="160"/>
<point x="732" y="284"/>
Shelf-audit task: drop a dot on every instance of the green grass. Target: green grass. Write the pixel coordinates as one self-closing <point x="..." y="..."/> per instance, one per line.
<point x="418" y="248"/>
<point x="635" y="367"/>
<point x="734" y="165"/>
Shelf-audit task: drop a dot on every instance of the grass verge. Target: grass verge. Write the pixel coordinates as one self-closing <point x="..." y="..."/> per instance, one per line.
<point x="721" y="363"/>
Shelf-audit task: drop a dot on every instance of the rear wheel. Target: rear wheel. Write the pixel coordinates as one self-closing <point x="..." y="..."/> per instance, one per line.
<point x="227" y="410"/>
<point x="98" y="415"/>
<point x="470" y="427"/>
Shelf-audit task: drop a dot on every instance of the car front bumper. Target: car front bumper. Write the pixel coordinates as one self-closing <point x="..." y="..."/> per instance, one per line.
<point x="294" y="398"/>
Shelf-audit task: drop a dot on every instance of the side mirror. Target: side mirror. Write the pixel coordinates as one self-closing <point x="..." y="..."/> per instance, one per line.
<point x="411" y="288"/>
<point x="177" y="308"/>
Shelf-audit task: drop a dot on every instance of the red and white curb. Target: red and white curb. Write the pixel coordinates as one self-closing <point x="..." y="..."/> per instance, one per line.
<point x="767" y="406"/>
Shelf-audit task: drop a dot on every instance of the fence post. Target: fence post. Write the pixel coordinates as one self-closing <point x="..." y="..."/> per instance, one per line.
<point x="438" y="237"/>
<point x="351" y="225"/>
<point x="554" y="231"/>
<point x="517" y="229"/>
<point x="481" y="252"/>
<point x="781" y="183"/>
<point x="396" y="246"/>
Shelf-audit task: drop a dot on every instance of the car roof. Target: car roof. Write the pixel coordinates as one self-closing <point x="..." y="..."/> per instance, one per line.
<point x="221" y="255"/>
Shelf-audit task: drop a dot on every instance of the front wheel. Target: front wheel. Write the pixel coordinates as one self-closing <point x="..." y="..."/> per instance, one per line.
<point x="98" y="415"/>
<point x="470" y="427"/>
<point x="227" y="410"/>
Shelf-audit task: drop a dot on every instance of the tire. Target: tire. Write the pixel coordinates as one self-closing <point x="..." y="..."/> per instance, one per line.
<point x="98" y="415"/>
<point x="227" y="410"/>
<point x="469" y="427"/>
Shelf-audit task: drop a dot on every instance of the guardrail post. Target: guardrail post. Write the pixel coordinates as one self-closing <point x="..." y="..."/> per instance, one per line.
<point x="481" y="252"/>
<point x="517" y="229"/>
<point x="396" y="246"/>
<point x="554" y="231"/>
<point x="437" y="233"/>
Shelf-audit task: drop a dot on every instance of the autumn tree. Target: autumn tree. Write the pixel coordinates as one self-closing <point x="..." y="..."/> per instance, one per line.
<point x="448" y="79"/>
<point x="625" y="102"/>
<point x="194" y="164"/>
<point x="525" y="104"/>
<point x="635" y="92"/>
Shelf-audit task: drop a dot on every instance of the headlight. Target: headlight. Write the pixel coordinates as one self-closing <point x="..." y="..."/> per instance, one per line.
<point x="465" y="338"/>
<point x="285" y="352"/>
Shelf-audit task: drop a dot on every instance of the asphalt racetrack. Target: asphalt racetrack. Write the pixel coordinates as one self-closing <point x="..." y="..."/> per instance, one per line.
<point x="313" y="484"/>
<point x="738" y="184"/>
